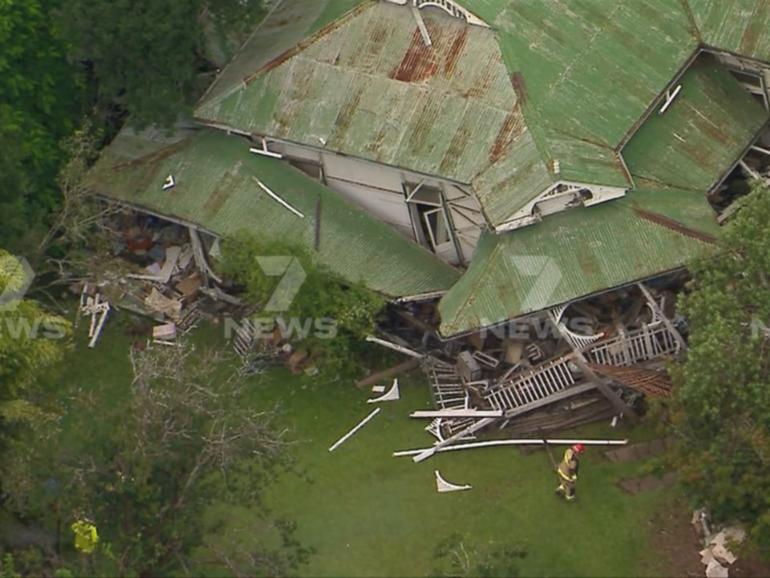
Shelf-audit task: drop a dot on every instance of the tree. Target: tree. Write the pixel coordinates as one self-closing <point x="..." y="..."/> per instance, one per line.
<point x="146" y="471"/>
<point x="144" y="55"/>
<point x="40" y="100"/>
<point x="32" y="341"/>
<point x="721" y="413"/>
<point x="338" y="313"/>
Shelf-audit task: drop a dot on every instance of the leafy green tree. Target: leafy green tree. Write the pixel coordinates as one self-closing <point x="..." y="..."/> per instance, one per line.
<point x="32" y="341"/>
<point x="40" y="100"/>
<point x="145" y="55"/>
<point x="323" y="299"/>
<point x="145" y="470"/>
<point x="722" y="405"/>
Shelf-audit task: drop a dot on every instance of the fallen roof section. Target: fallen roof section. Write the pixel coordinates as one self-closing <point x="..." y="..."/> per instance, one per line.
<point x="706" y="129"/>
<point x="578" y="253"/>
<point x="217" y="187"/>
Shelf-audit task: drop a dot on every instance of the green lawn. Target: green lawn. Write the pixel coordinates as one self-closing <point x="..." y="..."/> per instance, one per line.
<point x="369" y="514"/>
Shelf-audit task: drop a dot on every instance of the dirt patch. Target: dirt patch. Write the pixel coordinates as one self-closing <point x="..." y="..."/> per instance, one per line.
<point x="750" y="567"/>
<point x="674" y="542"/>
<point x="646" y="483"/>
<point x="637" y="451"/>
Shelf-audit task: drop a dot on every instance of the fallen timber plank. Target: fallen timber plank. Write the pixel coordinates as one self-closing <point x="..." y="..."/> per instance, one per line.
<point x="386" y="374"/>
<point x="481" y="424"/>
<point x="516" y="442"/>
<point x="600" y="383"/>
<point x="451" y="413"/>
<point x="348" y="435"/>
<point x="394" y="347"/>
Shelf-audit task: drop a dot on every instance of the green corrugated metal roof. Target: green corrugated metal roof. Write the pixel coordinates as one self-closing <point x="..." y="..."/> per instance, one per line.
<point x="369" y="87"/>
<point x="739" y="26"/>
<point x="584" y="73"/>
<point x="576" y="253"/>
<point x="700" y="136"/>
<point x="215" y="188"/>
<point x="288" y="23"/>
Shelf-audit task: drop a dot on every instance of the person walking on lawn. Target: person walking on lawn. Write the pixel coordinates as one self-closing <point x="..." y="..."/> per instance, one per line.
<point x="568" y="471"/>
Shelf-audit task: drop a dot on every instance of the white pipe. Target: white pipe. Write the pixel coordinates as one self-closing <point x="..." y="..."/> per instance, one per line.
<point x="361" y="424"/>
<point x="277" y="198"/>
<point x="394" y="347"/>
<point x="517" y="442"/>
<point x="452" y="413"/>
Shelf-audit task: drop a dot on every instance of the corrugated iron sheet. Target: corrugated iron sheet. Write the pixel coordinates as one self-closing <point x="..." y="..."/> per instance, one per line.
<point x="739" y="26"/>
<point x="576" y="253"/>
<point x="590" y="69"/>
<point x="215" y="188"/>
<point x="285" y="26"/>
<point x="371" y="88"/>
<point x="701" y="135"/>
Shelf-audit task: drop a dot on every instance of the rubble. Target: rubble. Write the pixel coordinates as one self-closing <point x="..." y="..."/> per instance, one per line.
<point x="717" y="555"/>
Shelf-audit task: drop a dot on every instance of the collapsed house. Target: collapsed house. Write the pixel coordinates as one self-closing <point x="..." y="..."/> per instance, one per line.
<point x="486" y="161"/>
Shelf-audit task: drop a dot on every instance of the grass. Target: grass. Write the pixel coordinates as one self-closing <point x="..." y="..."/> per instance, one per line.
<point x="369" y="514"/>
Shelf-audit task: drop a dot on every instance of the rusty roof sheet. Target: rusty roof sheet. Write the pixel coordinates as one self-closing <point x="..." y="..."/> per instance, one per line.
<point x="701" y="135"/>
<point x="369" y="87"/>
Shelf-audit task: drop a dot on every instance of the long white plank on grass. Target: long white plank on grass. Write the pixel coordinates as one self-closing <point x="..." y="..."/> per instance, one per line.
<point x="361" y="424"/>
<point x="517" y="442"/>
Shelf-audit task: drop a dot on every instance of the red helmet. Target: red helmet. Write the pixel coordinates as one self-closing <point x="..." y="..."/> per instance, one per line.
<point x="578" y="448"/>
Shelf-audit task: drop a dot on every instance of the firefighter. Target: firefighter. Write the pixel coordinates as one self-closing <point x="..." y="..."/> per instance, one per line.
<point x="568" y="471"/>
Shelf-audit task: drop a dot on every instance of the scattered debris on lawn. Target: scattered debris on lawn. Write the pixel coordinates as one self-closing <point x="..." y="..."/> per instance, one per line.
<point x="391" y="395"/>
<point x="93" y="303"/>
<point x="442" y="486"/>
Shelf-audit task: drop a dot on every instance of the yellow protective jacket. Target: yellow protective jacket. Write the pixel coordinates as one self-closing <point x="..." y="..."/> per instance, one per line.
<point x="86" y="536"/>
<point x="568" y="468"/>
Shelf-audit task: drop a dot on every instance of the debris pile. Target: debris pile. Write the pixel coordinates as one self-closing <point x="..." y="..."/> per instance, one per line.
<point x="717" y="556"/>
<point x="590" y="360"/>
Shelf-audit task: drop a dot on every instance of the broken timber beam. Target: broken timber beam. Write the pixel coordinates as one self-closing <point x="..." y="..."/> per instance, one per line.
<point x="481" y="424"/>
<point x="395" y="347"/>
<point x="388" y="373"/>
<point x="597" y="381"/>
<point x="517" y="442"/>
<point x="452" y="413"/>
<point x="666" y="321"/>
